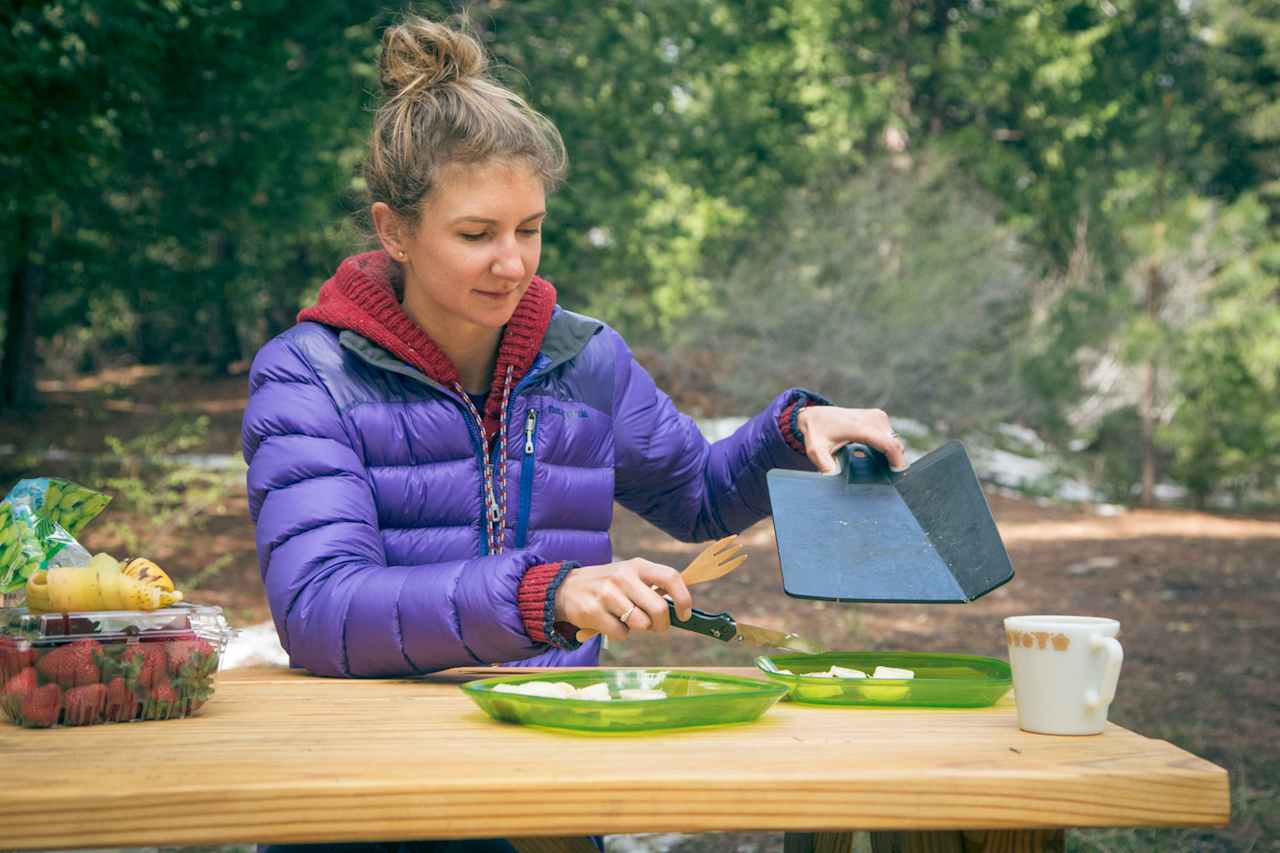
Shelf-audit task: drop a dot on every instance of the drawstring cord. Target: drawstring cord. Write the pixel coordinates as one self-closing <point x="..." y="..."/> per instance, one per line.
<point x="495" y="499"/>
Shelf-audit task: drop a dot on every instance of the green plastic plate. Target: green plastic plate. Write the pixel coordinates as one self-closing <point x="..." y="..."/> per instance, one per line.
<point x="941" y="681"/>
<point x="693" y="699"/>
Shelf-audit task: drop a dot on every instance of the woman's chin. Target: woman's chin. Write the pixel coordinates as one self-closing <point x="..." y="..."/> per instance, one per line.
<point x="492" y="313"/>
<point x="491" y="318"/>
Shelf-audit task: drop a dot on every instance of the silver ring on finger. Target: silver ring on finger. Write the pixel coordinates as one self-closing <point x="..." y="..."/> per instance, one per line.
<point x="893" y="434"/>
<point x="625" y="616"/>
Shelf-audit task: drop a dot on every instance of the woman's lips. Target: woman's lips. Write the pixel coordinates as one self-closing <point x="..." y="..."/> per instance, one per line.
<point x="495" y="295"/>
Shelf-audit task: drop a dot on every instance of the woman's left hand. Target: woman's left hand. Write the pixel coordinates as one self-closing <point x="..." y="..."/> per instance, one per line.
<point x="828" y="428"/>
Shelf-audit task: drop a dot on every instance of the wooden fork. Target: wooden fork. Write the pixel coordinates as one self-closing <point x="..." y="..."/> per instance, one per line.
<point x="714" y="561"/>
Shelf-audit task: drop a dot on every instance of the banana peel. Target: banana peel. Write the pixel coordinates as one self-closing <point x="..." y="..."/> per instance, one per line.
<point x="102" y="584"/>
<point x="142" y="569"/>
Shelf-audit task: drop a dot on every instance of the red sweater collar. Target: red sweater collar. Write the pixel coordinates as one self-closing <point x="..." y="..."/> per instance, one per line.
<point x="361" y="297"/>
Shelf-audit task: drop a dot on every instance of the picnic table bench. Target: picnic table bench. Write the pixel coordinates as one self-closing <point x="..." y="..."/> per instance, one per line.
<point x="281" y="756"/>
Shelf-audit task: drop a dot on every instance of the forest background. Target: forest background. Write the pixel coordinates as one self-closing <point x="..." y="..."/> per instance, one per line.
<point x="1051" y="224"/>
<point x="1057" y="214"/>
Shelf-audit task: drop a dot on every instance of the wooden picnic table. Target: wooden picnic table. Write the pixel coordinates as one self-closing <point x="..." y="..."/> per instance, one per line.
<point x="281" y="756"/>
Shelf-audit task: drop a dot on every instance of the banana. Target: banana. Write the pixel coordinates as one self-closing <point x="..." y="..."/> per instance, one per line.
<point x="147" y="572"/>
<point x="99" y="585"/>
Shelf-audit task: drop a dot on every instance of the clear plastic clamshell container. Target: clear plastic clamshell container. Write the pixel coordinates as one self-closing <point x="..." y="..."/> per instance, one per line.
<point x="77" y="669"/>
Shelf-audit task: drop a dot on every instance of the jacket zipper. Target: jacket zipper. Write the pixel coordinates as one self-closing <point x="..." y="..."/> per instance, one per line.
<point x="526" y="478"/>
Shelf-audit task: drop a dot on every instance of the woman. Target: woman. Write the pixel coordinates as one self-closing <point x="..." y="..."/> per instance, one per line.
<point x="435" y="449"/>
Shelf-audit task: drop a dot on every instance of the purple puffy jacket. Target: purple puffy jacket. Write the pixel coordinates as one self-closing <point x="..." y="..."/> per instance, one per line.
<point x="365" y="485"/>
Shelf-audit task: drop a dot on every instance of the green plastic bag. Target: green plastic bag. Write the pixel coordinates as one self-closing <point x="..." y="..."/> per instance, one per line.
<point x="39" y="521"/>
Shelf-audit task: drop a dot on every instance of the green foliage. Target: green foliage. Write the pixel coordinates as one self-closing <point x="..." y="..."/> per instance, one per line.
<point x="191" y="166"/>
<point x="1225" y="429"/>
<point x="156" y="493"/>
<point x="894" y="289"/>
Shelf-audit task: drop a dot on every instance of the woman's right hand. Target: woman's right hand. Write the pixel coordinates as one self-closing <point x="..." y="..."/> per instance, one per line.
<point x="597" y="597"/>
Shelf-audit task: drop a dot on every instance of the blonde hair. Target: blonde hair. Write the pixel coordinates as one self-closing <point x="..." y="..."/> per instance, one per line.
<point x="439" y="108"/>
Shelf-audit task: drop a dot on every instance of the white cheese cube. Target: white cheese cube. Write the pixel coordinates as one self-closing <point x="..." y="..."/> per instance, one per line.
<point x="845" y="672"/>
<point x="595" y="692"/>
<point x="532" y="688"/>
<point x="508" y="688"/>
<point x="891" y="672"/>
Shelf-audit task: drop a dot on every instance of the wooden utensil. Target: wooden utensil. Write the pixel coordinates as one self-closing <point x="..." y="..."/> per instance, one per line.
<point x="714" y="561"/>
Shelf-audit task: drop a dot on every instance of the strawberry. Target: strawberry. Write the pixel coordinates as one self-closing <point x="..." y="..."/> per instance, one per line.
<point x="14" y="657"/>
<point x="16" y="689"/>
<point x="122" y="704"/>
<point x="41" y="707"/>
<point x="72" y="665"/>
<point x="84" y="705"/>
<point x="193" y="664"/>
<point x="163" y="703"/>
<point x="23" y="683"/>
<point x="150" y="661"/>
<point x="181" y="651"/>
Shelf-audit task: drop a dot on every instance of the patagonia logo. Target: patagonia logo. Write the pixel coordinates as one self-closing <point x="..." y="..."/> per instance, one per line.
<point x="556" y="410"/>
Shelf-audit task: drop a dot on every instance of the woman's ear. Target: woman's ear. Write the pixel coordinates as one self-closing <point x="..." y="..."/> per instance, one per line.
<point x="390" y="228"/>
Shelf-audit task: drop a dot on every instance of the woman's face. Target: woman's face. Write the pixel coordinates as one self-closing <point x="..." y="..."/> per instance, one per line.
<point x="477" y="245"/>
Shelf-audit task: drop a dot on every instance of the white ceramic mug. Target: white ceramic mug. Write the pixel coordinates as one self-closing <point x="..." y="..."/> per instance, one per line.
<point x="1065" y="670"/>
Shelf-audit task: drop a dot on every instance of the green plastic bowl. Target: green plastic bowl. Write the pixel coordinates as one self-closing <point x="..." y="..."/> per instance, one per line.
<point x="941" y="680"/>
<point x="693" y="699"/>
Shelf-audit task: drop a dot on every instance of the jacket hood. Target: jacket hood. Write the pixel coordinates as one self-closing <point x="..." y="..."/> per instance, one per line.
<point x="362" y="297"/>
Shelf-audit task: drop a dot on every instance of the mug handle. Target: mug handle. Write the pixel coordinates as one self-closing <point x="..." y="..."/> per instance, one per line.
<point x="1115" y="656"/>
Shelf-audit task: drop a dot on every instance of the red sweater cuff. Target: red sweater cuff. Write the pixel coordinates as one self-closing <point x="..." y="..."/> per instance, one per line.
<point x="532" y="599"/>
<point x="787" y="423"/>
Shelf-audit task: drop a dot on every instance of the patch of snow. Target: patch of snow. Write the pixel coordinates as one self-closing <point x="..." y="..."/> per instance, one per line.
<point x="1024" y="473"/>
<point x="1168" y="492"/>
<point x="209" y="461"/>
<point x="714" y="429"/>
<point x="257" y="645"/>
<point x="652" y="842"/>
<point x="1027" y="438"/>
<point x="204" y="461"/>
<point x="908" y="427"/>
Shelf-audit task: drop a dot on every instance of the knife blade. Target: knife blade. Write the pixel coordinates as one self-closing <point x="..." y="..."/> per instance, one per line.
<point x="726" y="629"/>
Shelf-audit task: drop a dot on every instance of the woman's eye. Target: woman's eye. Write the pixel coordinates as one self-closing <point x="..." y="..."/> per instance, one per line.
<point x="474" y="237"/>
<point x="531" y="232"/>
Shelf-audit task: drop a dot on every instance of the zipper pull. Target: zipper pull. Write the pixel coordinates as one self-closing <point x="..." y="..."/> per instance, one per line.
<point x="495" y="513"/>
<point x="529" y="423"/>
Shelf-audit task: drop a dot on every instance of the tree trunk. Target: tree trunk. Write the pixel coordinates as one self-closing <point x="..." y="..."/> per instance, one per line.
<point x="283" y="308"/>
<point x="1150" y="391"/>
<point x="26" y="285"/>
<point x="225" y="342"/>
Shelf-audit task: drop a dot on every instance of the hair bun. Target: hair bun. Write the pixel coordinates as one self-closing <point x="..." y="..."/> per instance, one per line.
<point x="418" y="54"/>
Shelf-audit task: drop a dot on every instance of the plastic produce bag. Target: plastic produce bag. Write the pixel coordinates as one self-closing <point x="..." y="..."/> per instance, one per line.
<point x="39" y="521"/>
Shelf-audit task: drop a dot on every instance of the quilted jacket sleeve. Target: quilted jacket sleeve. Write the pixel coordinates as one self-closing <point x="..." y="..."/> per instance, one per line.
<point x="670" y="474"/>
<point x="339" y="609"/>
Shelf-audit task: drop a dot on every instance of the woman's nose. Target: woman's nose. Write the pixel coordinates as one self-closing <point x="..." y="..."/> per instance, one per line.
<point x="508" y="263"/>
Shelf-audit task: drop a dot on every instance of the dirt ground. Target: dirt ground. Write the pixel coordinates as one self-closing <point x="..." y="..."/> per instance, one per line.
<point x="1196" y="594"/>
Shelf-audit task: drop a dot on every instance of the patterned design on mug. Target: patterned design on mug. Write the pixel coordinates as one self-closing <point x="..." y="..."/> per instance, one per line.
<point x="1038" y="639"/>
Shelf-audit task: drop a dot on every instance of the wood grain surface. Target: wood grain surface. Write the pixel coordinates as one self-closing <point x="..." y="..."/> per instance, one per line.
<point x="280" y="756"/>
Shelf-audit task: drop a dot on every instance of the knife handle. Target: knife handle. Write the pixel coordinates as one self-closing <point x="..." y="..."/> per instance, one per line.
<point x="717" y="626"/>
